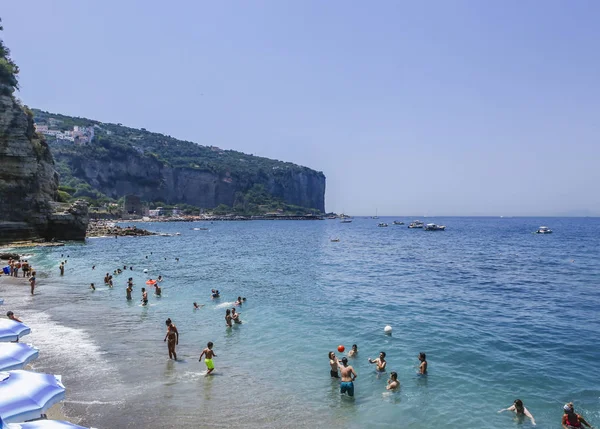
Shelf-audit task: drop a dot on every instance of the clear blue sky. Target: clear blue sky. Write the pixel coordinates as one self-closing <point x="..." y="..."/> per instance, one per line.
<point x="416" y="108"/>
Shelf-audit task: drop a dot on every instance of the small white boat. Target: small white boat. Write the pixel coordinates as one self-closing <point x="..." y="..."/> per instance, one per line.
<point x="543" y="230"/>
<point x="335" y="240"/>
<point x="397" y="222"/>
<point x="416" y="224"/>
<point x="382" y="224"/>
<point x="434" y="227"/>
<point x="178" y="233"/>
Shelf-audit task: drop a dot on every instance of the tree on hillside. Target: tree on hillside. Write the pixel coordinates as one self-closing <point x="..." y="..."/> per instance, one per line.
<point x="8" y="70"/>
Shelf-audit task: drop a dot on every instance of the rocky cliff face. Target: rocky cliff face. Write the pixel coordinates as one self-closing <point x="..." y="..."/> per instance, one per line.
<point x="29" y="183"/>
<point x="153" y="180"/>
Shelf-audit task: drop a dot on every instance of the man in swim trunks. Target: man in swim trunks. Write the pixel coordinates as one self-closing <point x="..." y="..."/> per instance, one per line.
<point x="209" y="354"/>
<point x="173" y="337"/>
<point x="144" y="296"/>
<point x="572" y="420"/>
<point x="380" y="361"/>
<point x="333" y="363"/>
<point x="354" y="351"/>
<point x="157" y="289"/>
<point x="348" y="377"/>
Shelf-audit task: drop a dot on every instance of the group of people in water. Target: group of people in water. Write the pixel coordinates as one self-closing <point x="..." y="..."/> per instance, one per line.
<point x="347" y="374"/>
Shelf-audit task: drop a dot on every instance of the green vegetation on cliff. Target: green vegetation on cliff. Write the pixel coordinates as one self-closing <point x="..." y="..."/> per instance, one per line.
<point x="245" y="183"/>
<point x="8" y="70"/>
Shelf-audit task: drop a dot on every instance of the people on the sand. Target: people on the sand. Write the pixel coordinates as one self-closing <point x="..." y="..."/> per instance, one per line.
<point x="380" y="362"/>
<point x="348" y="376"/>
<point x="334" y="364"/>
<point x="92" y="287"/>
<point x="519" y="409"/>
<point x="423" y="364"/>
<point x="12" y="316"/>
<point x="32" y="281"/>
<point x="393" y="382"/>
<point x="208" y="354"/>
<point x="228" y="318"/>
<point x="571" y="419"/>
<point x="144" y="296"/>
<point x="235" y="316"/>
<point x="354" y="351"/>
<point x="173" y="337"/>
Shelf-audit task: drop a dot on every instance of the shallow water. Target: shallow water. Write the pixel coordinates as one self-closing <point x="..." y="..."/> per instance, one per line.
<point x="501" y="313"/>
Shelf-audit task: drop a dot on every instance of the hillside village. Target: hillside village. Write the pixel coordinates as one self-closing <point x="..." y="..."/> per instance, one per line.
<point x="78" y="135"/>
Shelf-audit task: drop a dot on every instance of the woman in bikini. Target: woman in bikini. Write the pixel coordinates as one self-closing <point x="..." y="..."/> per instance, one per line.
<point x="172" y="337"/>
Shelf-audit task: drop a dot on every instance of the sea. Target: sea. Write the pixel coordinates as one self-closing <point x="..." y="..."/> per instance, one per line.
<point x="502" y="313"/>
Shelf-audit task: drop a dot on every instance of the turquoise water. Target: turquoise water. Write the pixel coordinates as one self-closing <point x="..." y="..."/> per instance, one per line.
<point x="501" y="313"/>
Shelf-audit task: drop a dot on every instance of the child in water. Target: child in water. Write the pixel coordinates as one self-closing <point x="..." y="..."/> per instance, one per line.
<point x="208" y="360"/>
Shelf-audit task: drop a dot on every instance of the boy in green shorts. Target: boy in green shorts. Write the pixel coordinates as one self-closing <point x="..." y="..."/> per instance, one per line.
<point x="208" y="355"/>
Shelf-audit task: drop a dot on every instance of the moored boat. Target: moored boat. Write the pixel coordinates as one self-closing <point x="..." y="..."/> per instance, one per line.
<point x="543" y="230"/>
<point x="382" y="224"/>
<point x="434" y="227"/>
<point x="416" y="224"/>
<point x="397" y="222"/>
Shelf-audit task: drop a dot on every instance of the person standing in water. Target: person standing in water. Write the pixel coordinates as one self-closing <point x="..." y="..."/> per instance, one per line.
<point x="423" y="364"/>
<point x="334" y="364"/>
<point x="348" y="377"/>
<point x="380" y="362"/>
<point x="235" y="316"/>
<point x="32" y="281"/>
<point x="128" y="291"/>
<point x="92" y="287"/>
<point x="520" y="410"/>
<point x="144" y="297"/>
<point x="570" y="419"/>
<point x="173" y="337"/>
<point x="228" y="318"/>
<point x="208" y="360"/>
<point x="393" y="382"/>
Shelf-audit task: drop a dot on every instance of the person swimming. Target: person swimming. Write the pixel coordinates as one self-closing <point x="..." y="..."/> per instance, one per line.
<point x="215" y="293"/>
<point x="354" y="351"/>
<point x="570" y="419"/>
<point x="519" y="410"/>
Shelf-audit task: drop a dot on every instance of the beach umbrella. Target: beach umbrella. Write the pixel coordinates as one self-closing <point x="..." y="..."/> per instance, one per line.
<point x="43" y="424"/>
<point x="16" y="355"/>
<point x="11" y="330"/>
<point x="25" y="395"/>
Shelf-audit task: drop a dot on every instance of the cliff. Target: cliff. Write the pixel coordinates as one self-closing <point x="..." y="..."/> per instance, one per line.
<point x="121" y="161"/>
<point x="29" y="183"/>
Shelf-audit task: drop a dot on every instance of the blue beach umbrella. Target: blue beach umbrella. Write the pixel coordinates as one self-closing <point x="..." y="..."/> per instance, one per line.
<point x="43" y="424"/>
<point x="25" y="395"/>
<point x="12" y="331"/>
<point x="16" y="355"/>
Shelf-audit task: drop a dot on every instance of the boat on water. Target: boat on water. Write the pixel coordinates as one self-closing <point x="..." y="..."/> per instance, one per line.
<point x="346" y="220"/>
<point x="335" y="240"/>
<point x="416" y="224"/>
<point x="382" y="224"/>
<point x="375" y="217"/>
<point x="332" y="217"/>
<point x="397" y="222"/>
<point x="434" y="227"/>
<point x="543" y="230"/>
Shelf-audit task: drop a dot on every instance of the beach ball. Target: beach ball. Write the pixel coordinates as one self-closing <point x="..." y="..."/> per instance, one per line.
<point x="388" y="330"/>
<point x="341" y="348"/>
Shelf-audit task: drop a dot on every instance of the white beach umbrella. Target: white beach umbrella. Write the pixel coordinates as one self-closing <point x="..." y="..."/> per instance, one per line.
<point x="25" y="395"/>
<point x="11" y="330"/>
<point x="43" y="424"/>
<point x="16" y="355"/>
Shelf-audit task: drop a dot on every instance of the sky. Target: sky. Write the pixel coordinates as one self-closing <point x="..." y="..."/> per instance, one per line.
<point x="409" y="108"/>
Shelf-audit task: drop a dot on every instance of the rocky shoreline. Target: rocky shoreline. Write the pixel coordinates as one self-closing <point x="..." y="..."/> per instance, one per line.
<point x="107" y="229"/>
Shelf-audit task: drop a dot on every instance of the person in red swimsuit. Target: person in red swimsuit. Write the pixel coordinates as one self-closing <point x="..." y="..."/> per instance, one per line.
<point x="572" y="420"/>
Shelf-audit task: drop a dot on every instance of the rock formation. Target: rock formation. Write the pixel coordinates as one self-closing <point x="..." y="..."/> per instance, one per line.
<point x="29" y="183"/>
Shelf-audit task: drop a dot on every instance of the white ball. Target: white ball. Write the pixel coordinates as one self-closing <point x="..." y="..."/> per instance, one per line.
<point x="145" y="270"/>
<point x="387" y="329"/>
